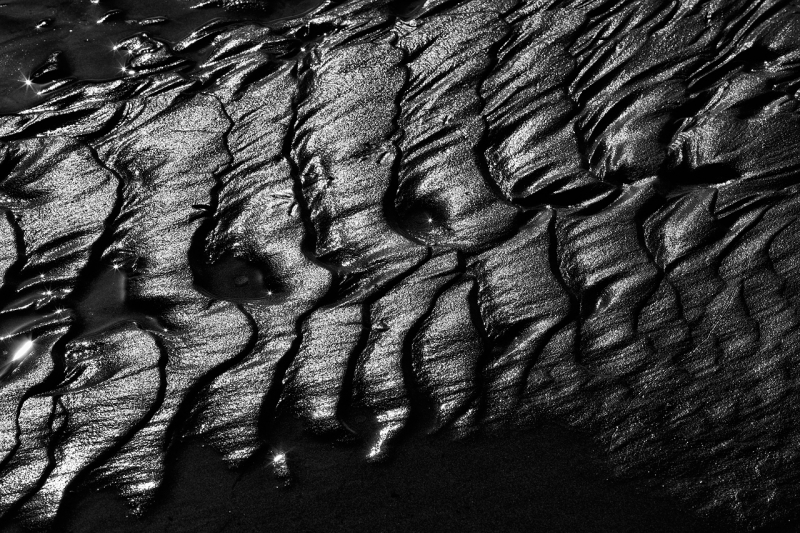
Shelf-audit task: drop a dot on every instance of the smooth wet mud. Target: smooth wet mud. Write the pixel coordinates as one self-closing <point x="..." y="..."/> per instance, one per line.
<point x="82" y="35"/>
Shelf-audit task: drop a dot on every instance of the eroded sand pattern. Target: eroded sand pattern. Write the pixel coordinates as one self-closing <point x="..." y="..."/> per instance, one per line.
<point x="477" y="214"/>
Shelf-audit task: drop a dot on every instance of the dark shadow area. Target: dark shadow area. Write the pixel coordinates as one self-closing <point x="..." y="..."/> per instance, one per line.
<point x="548" y="479"/>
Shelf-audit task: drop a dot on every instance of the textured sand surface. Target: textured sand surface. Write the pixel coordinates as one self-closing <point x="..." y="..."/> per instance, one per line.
<point x="461" y="217"/>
